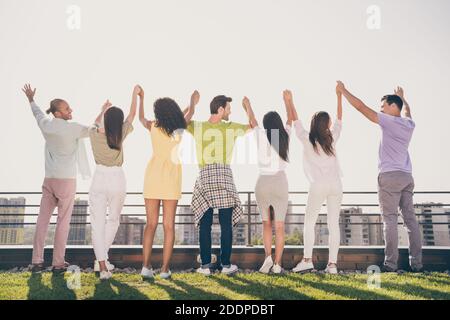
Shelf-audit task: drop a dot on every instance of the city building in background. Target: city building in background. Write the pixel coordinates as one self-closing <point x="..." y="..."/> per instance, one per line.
<point x="12" y="221"/>
<point x="434" y="219"/>
<point x="357" y="228"/>
<point x="78" y="234"/>
<point x="131" y="231"/>
<point x="187" y="233"/>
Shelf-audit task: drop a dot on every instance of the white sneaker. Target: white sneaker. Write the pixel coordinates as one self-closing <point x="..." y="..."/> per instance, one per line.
<point x="303" y="267"/>
<point x="230" y="270"/>
<point x="277" y="269"/>
<point x="147" y="273"/>
<point x="204" y="271"/>
<point x="105" y="275"/>
<point x="213" y="259"/>
<point x="165" y="275"/>
<point x="331" y="269"/>
<point x="109" y="266"/>
<point x="267" y="265"/>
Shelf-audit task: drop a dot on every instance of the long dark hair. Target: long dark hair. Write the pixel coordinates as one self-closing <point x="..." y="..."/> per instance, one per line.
<point x="113" y="127"/>
<point x="320" y="133"/>
<point x="169" y="116"/>
<point x="272" y="121"/>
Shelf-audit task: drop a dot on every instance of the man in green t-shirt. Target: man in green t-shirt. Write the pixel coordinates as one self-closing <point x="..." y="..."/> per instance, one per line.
<point x="215" y="188"/>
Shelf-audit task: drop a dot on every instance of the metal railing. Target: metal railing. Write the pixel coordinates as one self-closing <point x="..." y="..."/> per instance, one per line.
<point x="440" y="199"/>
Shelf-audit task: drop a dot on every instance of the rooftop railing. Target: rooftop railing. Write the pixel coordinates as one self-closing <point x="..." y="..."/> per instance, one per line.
<point x="366" y="212"/>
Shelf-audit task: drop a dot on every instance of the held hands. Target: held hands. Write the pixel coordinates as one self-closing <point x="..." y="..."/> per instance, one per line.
<point x="287" y="97"/>
<point x="195" y="98"/>
<point x="138" y="91"/>
<point x="340" y="87"/>
<point x="338" y="91"/>
<point x="246" y="104"/>
<point x="29" y="92"/>
<point x="106" y="106"/>
<point x="399" y="92"/>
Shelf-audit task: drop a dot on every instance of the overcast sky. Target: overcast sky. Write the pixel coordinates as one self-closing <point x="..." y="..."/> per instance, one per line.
<point x="253" y="47"/>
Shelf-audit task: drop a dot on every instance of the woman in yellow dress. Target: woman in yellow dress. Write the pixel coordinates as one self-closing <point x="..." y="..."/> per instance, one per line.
<point x="162" y="182"/>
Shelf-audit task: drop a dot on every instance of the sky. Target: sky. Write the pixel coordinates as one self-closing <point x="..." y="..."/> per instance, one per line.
<point x="255" y="48"/>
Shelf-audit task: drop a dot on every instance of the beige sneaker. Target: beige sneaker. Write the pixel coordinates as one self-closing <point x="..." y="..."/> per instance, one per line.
<point x="277" y="269"/>
<point x="147" y="273"/>
<point x="331" y="268"/>
<point x="105" y="275"/>
<point x="267" y="265"/>
<point x="303" y="267"/>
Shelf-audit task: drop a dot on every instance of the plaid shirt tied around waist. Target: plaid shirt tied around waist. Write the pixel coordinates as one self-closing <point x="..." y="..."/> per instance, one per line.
<point x="214" y="188"/>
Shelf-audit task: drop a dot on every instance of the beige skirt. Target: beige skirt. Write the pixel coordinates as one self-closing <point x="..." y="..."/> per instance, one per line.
<point x="272" y="191"/>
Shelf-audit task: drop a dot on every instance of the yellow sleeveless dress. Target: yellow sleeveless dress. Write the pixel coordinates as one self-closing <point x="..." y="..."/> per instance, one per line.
<point x="163" y="174"/>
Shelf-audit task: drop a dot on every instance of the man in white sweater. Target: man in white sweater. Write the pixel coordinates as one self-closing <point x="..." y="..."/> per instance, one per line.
<point x="64" y="150"/>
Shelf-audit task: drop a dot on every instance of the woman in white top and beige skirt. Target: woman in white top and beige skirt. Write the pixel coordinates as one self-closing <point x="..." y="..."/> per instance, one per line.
<point x="271" y="190"/>
<point x="322" y="169"/>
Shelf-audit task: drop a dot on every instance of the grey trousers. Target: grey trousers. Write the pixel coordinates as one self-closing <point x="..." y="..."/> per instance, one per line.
<point x="395" y="189"/>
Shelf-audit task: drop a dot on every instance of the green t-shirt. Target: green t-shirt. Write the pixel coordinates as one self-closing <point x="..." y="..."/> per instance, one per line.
<point x="215" y="142"/>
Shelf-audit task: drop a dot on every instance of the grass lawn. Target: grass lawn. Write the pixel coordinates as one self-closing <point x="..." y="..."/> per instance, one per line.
<point x="217" y="287"/>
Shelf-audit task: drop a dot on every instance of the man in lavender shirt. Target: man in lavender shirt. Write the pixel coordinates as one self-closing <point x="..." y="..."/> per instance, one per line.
<point x="395" y="180"/>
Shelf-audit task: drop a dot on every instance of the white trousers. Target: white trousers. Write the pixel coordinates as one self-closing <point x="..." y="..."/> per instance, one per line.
<point x="319" y="192"/>
<point x="106" y="198"/>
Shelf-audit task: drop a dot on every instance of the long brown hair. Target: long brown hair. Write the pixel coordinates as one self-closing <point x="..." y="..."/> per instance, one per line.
<point x="113" y="127"/>
<point x="272" y="121"/>
<point x="320" y="133"/>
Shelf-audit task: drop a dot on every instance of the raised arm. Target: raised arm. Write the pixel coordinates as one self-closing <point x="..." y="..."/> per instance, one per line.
<point x="40" y="117"/>
<point x="290" y="108"/>
<point x="29" y="92"/>
<point x="339" y="103"/>
<point x="132" y="114"/>
<point x="253" y="123"/>
<point x="357" y="103"/>
<point x="406" y="108"/>
<point x="190" y="110"/>
<point x="146" y="123"/>
<point x="105" y="107"/>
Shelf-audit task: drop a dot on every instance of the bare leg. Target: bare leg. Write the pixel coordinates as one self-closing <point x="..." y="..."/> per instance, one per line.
<point x="152" y="211"/>
<point x="169" y="211"/>
<point x="103" y="266"/>
<point x="267" y="236"/>
<point x="279" y="241"/>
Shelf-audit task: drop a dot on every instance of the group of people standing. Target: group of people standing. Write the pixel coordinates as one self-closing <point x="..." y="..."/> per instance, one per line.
<point x="215" y="188"/>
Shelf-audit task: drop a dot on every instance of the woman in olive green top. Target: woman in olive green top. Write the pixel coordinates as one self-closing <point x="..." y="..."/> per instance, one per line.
<point x="108" y="188"/>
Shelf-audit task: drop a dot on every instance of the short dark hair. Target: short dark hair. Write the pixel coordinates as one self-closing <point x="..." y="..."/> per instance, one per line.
<point x="217" y="102"/>
<point x="393" y="98"/>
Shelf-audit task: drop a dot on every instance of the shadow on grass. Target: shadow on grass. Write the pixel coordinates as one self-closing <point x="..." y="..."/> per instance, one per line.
<point x="188" y="292"/>
<point x="57" y="291"/>
<point x="435" y="278"/>
<point x="260" y="290"/>
<point x="115" y="290"/>
<point x="343" y="290"/>
<point x="414" y="289"/>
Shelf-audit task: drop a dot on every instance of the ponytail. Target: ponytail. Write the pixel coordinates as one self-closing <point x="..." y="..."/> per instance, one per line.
<point x="54" y="106"/>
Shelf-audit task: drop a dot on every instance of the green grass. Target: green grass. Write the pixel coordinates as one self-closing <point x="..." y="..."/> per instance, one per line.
<point x="46" y="285"/>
